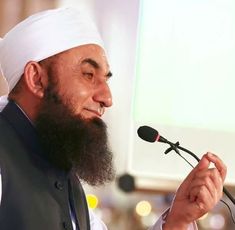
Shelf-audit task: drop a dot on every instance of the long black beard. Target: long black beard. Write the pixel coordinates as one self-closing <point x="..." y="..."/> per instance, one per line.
<point x="71" y="142"/>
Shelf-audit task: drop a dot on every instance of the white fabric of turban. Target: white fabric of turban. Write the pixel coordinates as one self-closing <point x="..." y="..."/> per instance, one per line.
<point x="43" y="35"/>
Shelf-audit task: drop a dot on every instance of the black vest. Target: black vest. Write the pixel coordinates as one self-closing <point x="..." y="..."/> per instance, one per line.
<point x="35" y="196"/>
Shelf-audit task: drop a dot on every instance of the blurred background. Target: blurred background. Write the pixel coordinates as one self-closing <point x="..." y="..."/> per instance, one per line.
<point x="173" y="66"/>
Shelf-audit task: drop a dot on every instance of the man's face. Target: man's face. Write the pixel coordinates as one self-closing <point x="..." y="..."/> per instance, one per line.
<point x="82" y="75"/>
<point x="69" y="122"/>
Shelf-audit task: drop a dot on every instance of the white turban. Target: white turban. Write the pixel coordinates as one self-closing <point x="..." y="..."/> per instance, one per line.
<point x="43" y="35"/>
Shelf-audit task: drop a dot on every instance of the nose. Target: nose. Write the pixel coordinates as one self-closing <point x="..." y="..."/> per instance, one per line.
<point x="103" y="95"/>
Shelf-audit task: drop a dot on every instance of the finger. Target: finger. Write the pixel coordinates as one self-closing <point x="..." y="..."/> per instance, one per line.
<point x="202" y="197"/>
<point x="196" y="193"/>
<point x="218" y="164"/>
<point x="213" y="174"/>
<point x="202" y="165"/>
<point x="215" y="192"/>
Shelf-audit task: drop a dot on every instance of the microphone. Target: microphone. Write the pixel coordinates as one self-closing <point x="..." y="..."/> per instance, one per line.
<point x="151" y="135"/>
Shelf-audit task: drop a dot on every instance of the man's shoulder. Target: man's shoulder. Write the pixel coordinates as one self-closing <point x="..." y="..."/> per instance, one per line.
<point x="7" y="133"/>
<point x="4" y="126"/>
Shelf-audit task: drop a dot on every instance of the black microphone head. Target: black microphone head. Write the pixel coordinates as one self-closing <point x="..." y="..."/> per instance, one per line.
<point x="147" y="133"/>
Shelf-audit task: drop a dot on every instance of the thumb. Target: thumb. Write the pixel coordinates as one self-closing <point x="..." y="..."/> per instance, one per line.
<point x="203" y="164"/>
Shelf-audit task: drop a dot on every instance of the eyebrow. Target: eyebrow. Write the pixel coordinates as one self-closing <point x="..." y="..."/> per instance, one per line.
<point x="95" y="65"/>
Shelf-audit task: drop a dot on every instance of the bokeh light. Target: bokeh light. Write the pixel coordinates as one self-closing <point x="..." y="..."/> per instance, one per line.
<point x="92" y="201"/>
<point x="217" y="221"/>
<point x="143" y="208"/>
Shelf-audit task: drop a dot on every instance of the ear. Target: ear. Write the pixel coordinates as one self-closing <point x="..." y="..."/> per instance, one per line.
<point x="35" y="78"/>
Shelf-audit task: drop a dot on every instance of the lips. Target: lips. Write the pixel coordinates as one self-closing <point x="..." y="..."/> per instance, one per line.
<point x="97" y="111"/>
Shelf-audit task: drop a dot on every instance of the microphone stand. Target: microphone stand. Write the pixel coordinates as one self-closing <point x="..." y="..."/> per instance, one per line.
<point x="177" y="146"/>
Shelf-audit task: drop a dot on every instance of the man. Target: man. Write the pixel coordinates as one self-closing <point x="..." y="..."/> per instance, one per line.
<point x="52" y="133"/>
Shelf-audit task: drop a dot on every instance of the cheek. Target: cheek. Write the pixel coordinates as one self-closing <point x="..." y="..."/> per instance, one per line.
<point x="78" y="98"/>
<point x="83" y="93"/>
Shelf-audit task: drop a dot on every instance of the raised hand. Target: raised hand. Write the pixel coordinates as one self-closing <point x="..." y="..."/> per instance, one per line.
<point x="198" y="194"/>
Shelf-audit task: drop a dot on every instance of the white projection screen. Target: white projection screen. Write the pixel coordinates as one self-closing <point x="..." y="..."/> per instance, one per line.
<point x="185" y="84"/>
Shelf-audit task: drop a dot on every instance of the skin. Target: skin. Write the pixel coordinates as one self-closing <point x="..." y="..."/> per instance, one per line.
<point x="82" y="75"/>
<point x="87" y="70"/>
<point x="198" y="193"/>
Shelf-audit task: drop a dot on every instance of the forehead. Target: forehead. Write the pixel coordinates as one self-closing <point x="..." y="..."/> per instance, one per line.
<point x="78" y="54"/>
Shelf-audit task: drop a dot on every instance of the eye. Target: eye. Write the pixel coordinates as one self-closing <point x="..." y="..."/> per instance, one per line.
<point x="88" y="75"/>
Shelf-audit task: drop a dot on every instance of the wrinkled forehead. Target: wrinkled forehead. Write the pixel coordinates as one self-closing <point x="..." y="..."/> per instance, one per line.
<point x="91" y="54"/>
